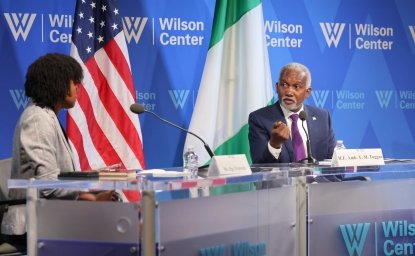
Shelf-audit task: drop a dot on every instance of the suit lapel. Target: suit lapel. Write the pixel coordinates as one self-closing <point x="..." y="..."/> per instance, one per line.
<point x="278" y="114"/>
<point x="62" y="137"/>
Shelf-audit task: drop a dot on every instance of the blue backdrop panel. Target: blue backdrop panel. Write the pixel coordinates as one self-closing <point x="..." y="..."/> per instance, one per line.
<point x="360" y="53"/>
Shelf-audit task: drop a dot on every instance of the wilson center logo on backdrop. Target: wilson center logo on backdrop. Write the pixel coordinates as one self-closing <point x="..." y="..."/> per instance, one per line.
<point x="179" y="32"/>
<point x="179" y="97"/>
<point x="20" y="24"/>
<point x="362" y="36"/>
<point x="19" y="98"/>
<point x="283" y="35"/>
<point x="133" y="27"/>
<point x="58" y="29"/>
<point x="320" y="97"/>
<point x="332" y="32"/>
<point x="353" y="100"/>
<point x="384" y="98"/>
<point x="404" y="99"/>
<point x="340" y="99"/>
<point x="147" y="99"/>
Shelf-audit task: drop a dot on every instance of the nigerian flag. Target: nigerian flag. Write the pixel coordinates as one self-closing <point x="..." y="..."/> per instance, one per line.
<point x="236" y="80"/>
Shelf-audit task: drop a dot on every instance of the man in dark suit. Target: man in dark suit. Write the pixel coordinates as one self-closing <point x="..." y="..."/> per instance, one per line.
<point x="270" y="134"/>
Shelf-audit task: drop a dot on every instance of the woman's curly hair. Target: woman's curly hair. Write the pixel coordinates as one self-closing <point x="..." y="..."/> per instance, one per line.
<point x="48" y="79"/>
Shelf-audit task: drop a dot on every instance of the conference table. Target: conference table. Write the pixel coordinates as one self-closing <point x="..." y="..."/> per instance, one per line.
<point x="279" y="209"/>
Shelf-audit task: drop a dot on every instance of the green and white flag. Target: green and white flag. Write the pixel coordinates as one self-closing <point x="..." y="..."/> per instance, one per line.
<point x="236" y="80"/>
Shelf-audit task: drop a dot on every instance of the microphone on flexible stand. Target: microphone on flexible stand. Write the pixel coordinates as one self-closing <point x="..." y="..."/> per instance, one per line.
<point x="139" y="109"/>
<point x="309" y="159"/>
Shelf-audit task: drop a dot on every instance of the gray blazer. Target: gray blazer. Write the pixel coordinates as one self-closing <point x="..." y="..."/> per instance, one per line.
<point x="40" y="151"/>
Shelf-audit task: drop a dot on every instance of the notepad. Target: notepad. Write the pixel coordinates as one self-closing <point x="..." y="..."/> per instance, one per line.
<point x="117" y="174"/>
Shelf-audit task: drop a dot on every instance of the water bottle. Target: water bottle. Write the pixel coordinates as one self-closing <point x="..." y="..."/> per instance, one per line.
<point x="190" y="164"/>
<point x="339" y="145"/>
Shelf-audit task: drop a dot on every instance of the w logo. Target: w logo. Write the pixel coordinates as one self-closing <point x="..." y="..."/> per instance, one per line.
<point x="384" y="98"/>
<point x="354" y="237"/>
<point x="332" y="32"/>
<point x="19" y="98"/>
<point x="412" y="29"/>
<point x="133" y="27"/>
<point x="320" y="97"/>
<point x="179" y="97"/>
<point x="20" y="24"/>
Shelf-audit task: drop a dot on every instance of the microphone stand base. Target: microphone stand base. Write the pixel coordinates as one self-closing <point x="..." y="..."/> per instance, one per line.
<point x="308" y="161"/>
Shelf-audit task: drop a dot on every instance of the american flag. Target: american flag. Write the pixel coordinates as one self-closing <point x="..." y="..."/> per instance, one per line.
<point x="102" y="130"/>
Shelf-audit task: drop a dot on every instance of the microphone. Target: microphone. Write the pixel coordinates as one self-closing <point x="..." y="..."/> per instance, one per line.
<point x="139" y="109"/>
<point x="309" y="159"/>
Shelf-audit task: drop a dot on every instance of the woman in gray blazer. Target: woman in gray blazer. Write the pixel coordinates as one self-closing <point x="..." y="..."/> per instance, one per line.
<point x="40" y="144"/>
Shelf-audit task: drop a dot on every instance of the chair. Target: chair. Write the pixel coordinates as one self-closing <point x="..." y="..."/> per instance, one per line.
<point x="5" y="169"/>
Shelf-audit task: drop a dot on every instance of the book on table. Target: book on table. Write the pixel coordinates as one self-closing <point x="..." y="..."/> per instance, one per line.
<point x="117" y="174"/>
<point x="102" y="175"/>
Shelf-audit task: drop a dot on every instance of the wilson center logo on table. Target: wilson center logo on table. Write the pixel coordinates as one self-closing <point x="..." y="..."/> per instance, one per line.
<point x="388" y="237"/>
<point x="354" y="237"/>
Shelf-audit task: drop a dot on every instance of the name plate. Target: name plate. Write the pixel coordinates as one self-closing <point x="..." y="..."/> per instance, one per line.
<point x="229" y="165"/>
<point x="358" y="157"/>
